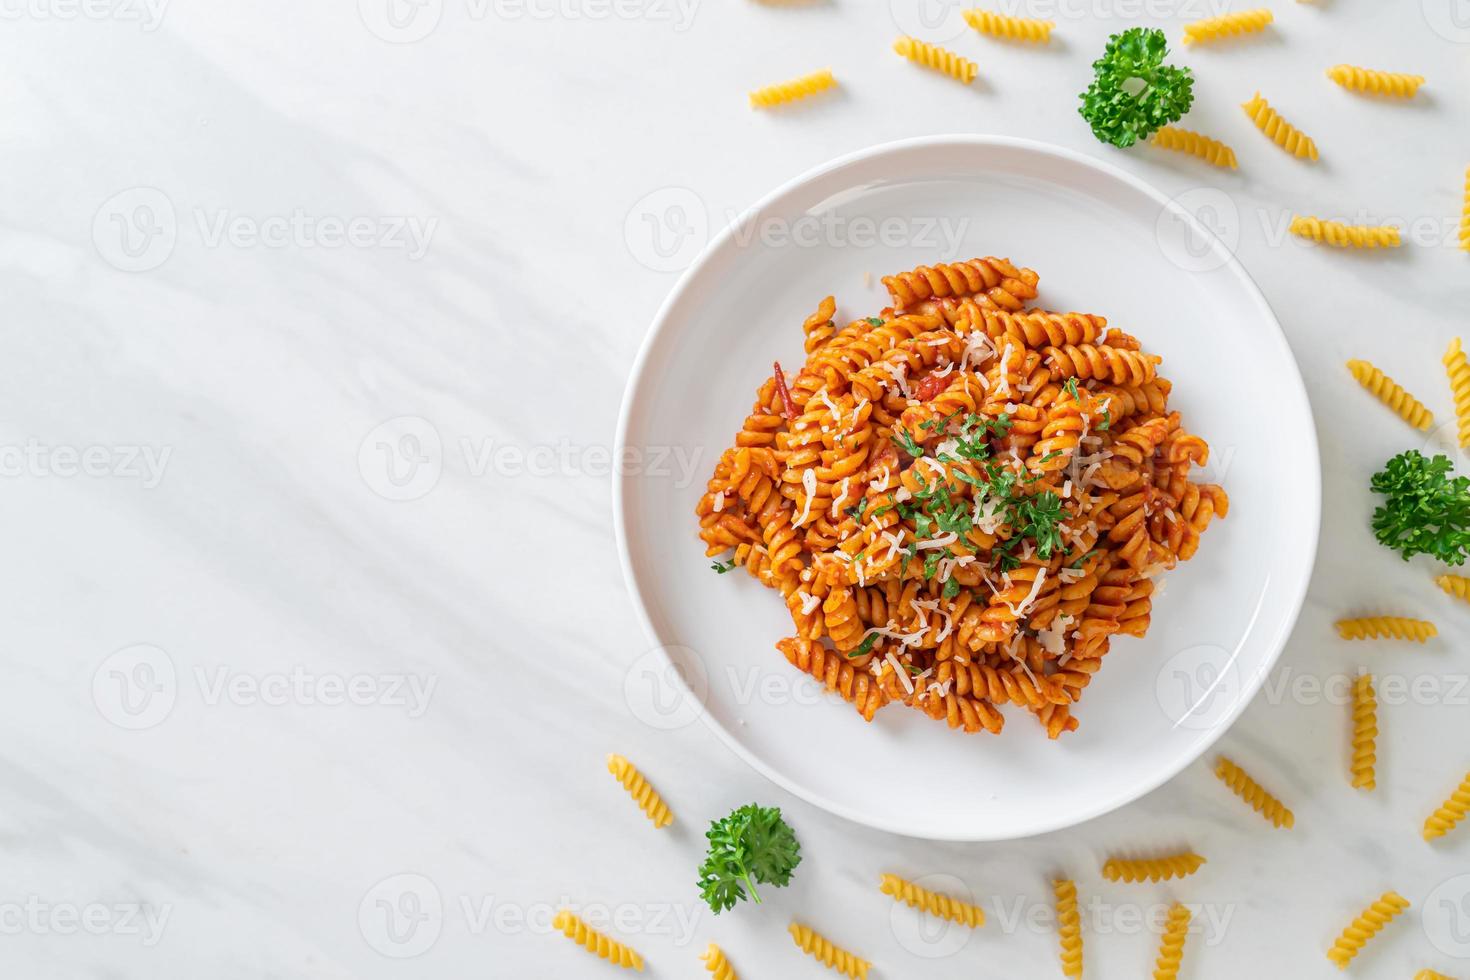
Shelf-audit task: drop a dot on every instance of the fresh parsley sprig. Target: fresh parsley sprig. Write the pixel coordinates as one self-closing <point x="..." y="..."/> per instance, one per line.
<point x="1133" y="93"/>
<point x="1426" y="511"/>
<point x="752" y="844"/>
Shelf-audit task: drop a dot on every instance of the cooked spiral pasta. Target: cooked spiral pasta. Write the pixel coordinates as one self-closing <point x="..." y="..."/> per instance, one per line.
<point x="643" y="794"/>
<point x="716" y="963"/>
<point x="1386" y="628"/>
<point x="1455" y="585"/>
<point x="1171" y="946"/>
<point x="798" y="88"/>
<point x="937" y="58"/>
<point x="1365" y="733"/>
<point x="1278" y="130"/>
<point x="935" y="903"/>
<point x="1227" y="25"/>
<point x="1465" y="215"/>
<point x="1152" y="869"/>
<point x="595" y="942"/>
<point x="1390" y="83"/>
<point x="1339" y="235"/>
<point x="835" y="957"/>
<point x="1450" y="812"/>
<point x="963" y="500"/>
<point x="1392" y="394"/>
<point x="996" y="281"/>
<point x="1196" y="144"/>
<point x="1365" y="927"/>
<point x="1458" y="371"/>
<point x="1069" y="928"/>
<point x="1253" y="794"/>
<point x="1011" y="28"/>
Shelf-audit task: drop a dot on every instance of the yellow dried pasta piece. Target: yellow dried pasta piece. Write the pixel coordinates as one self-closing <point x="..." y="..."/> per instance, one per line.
<point x="1431" y="975"/>
<point x="1465" y="215"/>
<point x="1390" y="83"/>
<point x="595" y="942"/>
<point x="1069" y="928"/>
<point x="1392" y="394"/>
<point x="1196" y="144"/>
<point x="1386" y="628"/>
<point x="716" y="963"/>
<point x="1455" y="585"/>
<point x="935" y="903"/>
<point x="1253" y="794"/>
<point x="1171" y="947"/>
<point x="1340" y="235"/>
<point x="1458" y="371"/>
<point x="816" y="945"/>
<point x="797" y="88"/>
<point x="1450" y="812"/>
<point x="1278" y="130"/>
<point x="643" y="794"/>
<point x="1365" y="733"/>
<point x="1365" y="927"/>
<point x="1152" y="869"/>
<point x="937" y="58"/>
<point x="1227" y="25"/>
<point x="1011" y="28"/>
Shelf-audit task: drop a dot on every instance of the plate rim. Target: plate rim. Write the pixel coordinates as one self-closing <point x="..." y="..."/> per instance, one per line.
<point x="658" y="326"/>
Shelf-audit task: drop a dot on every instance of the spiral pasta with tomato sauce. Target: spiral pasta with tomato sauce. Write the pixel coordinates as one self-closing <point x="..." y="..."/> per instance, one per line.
<point x="963" y="499"/>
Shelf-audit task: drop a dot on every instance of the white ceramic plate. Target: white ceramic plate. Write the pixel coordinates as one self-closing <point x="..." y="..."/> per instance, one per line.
<point x="1103" y="242"/>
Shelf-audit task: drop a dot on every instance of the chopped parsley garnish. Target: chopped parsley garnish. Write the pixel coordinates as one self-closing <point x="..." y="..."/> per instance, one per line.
<point x="864" y="647"/>
<point x="856" y="510"/>
<point x="904" y="441"/>
<point x="721" y="567"/>
<point x="1071" y="388"/>
<point x="1107" y="421"/>
<point x="875" y="321"/>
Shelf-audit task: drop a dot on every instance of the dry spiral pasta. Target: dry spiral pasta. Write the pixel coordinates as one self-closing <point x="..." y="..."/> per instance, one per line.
<point x="1455" y="585"/>
<point x="1227" y="25"/>
<point x="1459" y="376"/>
<point x="1365" y="733"/>
<point x="1386" y="627"/>
<point x="1171" y="946"/>
<point x="797" y="88"/>
<point x="938" y="58"/>
<point x="718" y="964"/>
<point x="935" y="903"/>
<point x="595" y="942"/>
<point x="1465" y="215"/>
<point x="643" y="794"/>
<point x="1394" y="84"/>
<point x="818" y="946"/>
<point x="1450" y="812"/>
<point x="1341" y="235"/>
<point x="1431" y="975"/>
<point x="963" y="500"/>
<point x="1069" y="928"/>
<point x="1256" y="797"/>
<point x="1278" y="130"/>
<point x="1152" y="869"/>
<point x="1196" y="144"/>
<point x="1365" y="927"/>
<point x="1011" y="28"/>
<point x="1392" y="394"/>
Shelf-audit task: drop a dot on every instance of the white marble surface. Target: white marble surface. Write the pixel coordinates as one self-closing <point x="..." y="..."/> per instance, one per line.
<point x="187" y="791"/>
